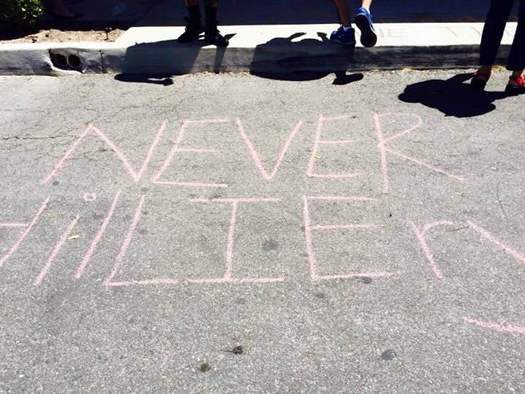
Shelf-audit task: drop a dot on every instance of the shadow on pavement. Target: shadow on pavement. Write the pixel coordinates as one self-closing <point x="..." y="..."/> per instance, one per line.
<point x="142" y="63"/>
<point x="162" y="79"/>
<point x="177" y="58"/>
<point x="309" y="59"/>
<point x="453" y="97"/>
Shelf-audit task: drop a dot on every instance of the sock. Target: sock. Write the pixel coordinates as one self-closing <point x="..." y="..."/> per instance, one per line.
<point x="211" y="16"/>
<point x="346" y="28"/>
<point x="194" y="13"/>
<point x="366" y="8"/>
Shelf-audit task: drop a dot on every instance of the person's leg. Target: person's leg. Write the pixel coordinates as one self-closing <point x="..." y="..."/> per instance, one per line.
<point x="366" y="4"/>
<point x="193" y="22"/>
<point x="345" y="34"/>
<point x="194" y="11"/>
<point x="517" y="55"/>
<point x="212" y="34"/>
<point x="364" y="22"/>
<point x="493" y="30"/>
<point x="343" y="12"/>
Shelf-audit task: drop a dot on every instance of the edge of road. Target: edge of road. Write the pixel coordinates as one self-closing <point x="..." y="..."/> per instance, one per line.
<point x="257" y="49"/>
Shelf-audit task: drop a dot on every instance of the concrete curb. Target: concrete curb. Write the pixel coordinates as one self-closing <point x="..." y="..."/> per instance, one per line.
<point x="259" y="49"/>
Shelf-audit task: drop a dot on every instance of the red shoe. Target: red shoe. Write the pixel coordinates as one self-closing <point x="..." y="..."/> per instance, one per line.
<point x="516" y="86"/>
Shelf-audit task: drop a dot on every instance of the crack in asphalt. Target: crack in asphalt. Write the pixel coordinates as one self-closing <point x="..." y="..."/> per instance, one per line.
<point x="23" y="138"/>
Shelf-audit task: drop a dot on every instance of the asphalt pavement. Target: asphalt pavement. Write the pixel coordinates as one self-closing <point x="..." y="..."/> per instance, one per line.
<point x="273" y="233"/>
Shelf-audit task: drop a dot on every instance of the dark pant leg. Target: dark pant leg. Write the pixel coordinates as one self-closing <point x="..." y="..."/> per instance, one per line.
<point x="493" y="31"/>
<point x="517" y="53"/>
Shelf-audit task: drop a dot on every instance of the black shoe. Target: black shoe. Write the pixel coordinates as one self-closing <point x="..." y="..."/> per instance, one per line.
<point x="214" y="37"/>
<point x="479" y="80"/>
<point x="192" y="33"/>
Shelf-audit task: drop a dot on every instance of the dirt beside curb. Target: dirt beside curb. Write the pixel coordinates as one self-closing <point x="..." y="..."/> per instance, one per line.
<point x="55" y="35"/>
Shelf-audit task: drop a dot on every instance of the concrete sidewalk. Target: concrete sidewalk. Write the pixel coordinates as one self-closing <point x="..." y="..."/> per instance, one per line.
<point x="412" y="33"/>
<point x="258" y="49"/>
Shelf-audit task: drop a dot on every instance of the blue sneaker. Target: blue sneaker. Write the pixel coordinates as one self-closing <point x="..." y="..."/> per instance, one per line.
<point x="363" y="20"/>
<point x="343" y="37"/>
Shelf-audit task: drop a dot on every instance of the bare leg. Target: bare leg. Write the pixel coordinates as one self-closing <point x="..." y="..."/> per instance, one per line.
<point x="343" y="12"/>
<point x="366" y="4"/>
<point x="345" y="34"/>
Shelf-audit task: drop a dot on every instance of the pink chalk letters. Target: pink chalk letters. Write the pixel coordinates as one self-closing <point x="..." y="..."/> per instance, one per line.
<point x="177" y="149"/>
<point x="54" y="252"/>
<point x="388" y="147"/>
<point x="308" y="233"/>
<point x="135" y="175"/>
<point x="384" y="150"/>
<point x="318" y="142"/>
<point x="383" y="146"/>
<point x="421" y="236"/>
<point x="230" y="243"/>
<point x="423" y="243"/>
<point x="89" y="253"/>
<point x="255" y="156"/>
<point x="26" y="230"/>
<point x="498" y="327"/>
<point x="228" y="276"/>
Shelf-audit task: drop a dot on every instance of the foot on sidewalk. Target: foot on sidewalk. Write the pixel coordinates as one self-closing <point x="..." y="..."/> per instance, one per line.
<point x="480" y="79"/>
<point x="363" y="20"/>
<point x="192" y="32"/>
<point x="343" y="36"/>
<point x="214" y="37"/>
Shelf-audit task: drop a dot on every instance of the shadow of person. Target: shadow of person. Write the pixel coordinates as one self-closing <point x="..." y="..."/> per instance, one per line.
<point x="309" y="59"/>
<point x="219" y="54"/>
<point x="155" y="62"/>
<point x="159" y="79"/>
<point x="160" y="57"/>
<point x="452" y="97"/>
